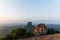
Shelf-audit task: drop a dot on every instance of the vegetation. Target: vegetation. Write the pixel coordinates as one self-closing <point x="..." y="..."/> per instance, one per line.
<point x="22" y="33"/>
<point x="18" y="33"/>
<point x="52" y="31"/>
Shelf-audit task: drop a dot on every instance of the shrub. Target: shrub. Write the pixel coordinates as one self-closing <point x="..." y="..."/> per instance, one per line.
<point x="52" y="31"/>
<point x="17" y="33"/>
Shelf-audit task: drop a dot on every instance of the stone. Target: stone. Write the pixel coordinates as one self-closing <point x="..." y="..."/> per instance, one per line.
<point x="40" y="29"/>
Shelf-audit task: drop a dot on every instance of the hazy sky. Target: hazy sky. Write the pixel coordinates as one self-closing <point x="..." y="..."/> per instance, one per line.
<point x="17" y="10"/>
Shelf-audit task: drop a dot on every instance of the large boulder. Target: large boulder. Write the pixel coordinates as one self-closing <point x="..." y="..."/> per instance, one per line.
<point x="40" y="29"/>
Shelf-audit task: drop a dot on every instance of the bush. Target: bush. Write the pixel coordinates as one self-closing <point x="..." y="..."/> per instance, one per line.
<point x="17" y="33"/>
<point x="52" y="31"/>
<point x="22" y="33"/>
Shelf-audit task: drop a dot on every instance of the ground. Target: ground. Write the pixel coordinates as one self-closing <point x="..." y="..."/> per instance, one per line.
<point x="45" y="37"/>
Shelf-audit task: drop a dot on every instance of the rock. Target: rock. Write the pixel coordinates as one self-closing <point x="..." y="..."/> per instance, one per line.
<point x="40" y="29"/>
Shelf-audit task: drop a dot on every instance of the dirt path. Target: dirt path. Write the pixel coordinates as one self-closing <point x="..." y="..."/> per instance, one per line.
<point x="46" y="37"/>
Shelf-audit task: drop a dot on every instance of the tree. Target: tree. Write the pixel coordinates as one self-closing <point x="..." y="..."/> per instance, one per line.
<point x="17" y="33"/>
<point x="52" y="31"/>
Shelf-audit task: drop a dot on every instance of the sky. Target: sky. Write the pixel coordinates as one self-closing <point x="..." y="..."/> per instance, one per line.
<point x="29" y="10"/>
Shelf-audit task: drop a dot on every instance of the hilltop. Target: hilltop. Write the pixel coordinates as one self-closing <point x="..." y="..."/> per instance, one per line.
<point x="45" y="37"/>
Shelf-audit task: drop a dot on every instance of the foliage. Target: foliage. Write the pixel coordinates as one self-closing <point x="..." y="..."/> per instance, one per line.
<point x="22" y="33"/>
<point x="52" y="31"/>
<point x="17" y="33"/>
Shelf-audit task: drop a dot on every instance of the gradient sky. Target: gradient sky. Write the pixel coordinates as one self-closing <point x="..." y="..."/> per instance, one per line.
<point x="17" y="10"/>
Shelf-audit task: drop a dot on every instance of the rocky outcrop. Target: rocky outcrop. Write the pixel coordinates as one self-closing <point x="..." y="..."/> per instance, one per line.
<point x="40" y="29"/>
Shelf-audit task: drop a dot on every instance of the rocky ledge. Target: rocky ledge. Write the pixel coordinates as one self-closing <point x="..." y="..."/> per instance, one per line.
<point x="45" y="37"/>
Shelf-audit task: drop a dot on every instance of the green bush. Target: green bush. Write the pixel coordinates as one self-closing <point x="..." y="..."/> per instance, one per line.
<point x="17" y="33"/>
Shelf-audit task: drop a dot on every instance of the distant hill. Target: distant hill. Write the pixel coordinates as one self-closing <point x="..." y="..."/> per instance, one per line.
<point x="54" y="26"/>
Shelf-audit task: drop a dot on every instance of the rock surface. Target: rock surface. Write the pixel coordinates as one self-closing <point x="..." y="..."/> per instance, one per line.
<point x="40" y="29"/>
<point x="45" y="37"/>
